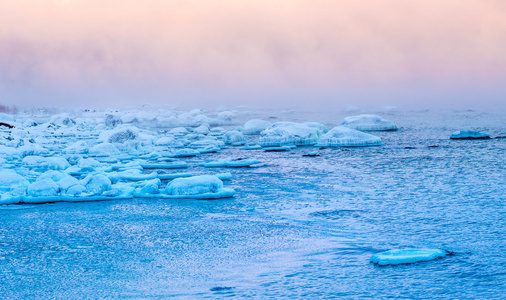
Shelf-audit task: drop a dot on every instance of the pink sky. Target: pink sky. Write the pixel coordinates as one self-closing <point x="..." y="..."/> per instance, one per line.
<point x="239" y="51"/>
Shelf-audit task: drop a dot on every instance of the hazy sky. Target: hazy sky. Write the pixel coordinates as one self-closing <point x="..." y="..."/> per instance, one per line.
<point x="209" y="53"/>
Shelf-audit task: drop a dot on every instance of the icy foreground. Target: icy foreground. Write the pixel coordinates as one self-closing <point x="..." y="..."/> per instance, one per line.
<point x="407" y="256"/>
<point x="93" y="156"/>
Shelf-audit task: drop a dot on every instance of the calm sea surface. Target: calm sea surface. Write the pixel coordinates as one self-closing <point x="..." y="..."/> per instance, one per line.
<point x="298" y="227"/>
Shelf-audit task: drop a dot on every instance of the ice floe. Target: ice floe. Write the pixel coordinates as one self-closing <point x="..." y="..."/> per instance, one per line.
<point x="231" y="163"/>
<point x="368" y="123"/>
<point x="341" y="136"/>
<point x="469" y="135"/>
<point x="407" y="256"/>
<point x="198" y="187"/>
<point x="288" y="133"/>
<point x="255" y="126"/>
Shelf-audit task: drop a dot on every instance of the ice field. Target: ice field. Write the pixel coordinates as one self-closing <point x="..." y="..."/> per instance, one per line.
<point x="261" y="204"/>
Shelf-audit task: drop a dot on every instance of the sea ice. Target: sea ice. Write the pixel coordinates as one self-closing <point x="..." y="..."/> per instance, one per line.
<point x="104" y="149"/>
<point x="10" y="180"/>
<point x="255" y="126"/>
<point x="288" y="133"/>
<point x="185" y="152"/>
<point x="96" y="184"/>
<point x="204" y="185"/>
<point x="368" y="123"/>
<point x="341" y="136"/>
<point x="169" y="142"/>
<point x="407" y="256"/>
<point x="232" y="163"/>
<point x="120" y="134"/>
<point x="468" y="135"/>
<point x="57" y="163"/>
<point x="43" y="188"/>
<point x="234" y="137"/>
<point x="202" y="129"/>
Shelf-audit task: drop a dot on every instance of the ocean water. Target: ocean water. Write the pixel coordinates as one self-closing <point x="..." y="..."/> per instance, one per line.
<point x="298" y="227"/>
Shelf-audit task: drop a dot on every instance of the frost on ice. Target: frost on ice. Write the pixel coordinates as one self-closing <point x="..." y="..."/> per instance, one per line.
<point x="407" y="256"/>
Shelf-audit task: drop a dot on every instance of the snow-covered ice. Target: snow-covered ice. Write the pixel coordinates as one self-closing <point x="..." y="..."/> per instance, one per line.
<point x="289" y="133"/>
<point x="368" y="123"/>
<point x="341" y="136"/>
<point x="407" y="256"/>
<point x="469" y="135"/>
<point x="255" y="126"/>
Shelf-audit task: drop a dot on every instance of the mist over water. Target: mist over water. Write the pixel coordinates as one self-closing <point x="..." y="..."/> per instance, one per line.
<point x="256" y="53"/>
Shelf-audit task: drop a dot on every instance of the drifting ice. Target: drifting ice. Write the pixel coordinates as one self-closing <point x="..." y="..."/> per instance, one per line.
<point x="407" y="256"/>
<point x="346" y="137"/>
<point x="368" y="123"/>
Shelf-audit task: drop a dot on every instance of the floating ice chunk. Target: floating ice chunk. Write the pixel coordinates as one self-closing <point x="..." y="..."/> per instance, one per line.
<point x="173" y="176"/>
<point x="197" y="185"/>
<point x="346" y="137"/>
<point x="251" y="146"/>
<point x="57" y="163"/>
<point x="179" y="131"/>
<point x="96" y="184"/>
<point x="174" y="165"/>
<point x="62" y="119"/>
<point x="10" y="180"/>
<point x="232" y="163"/>
<point x="119" y="134"/>
<point x="169" y="142"/>
<point x="185" y="152"/>
<point x="10" y="153"/>
<point x="88" y="164"/>
<point x="217" y="131"/>
<point x="202" y="129"/>
<point x="227" y="117"/>
<point x="234" y="137"/>
<point x="278" y="149"/>
<point x="469" y="135"/>
<point x="407" y="256"/>
<point x="167" y="122"/>
<point x="133" y="175"/>
<point x="104" y="149"/>
<point x="368" y="123"/>
<point x="29" y="123"/>
<point x="288" y="133"/>
<point x="32" y="149"/>
<point x="322" y="129"/>
<point x="34" y="161"/>
<point x="224" y="176"/>
<point x="112" y="121"/>
<point x="75" y="190"/>
<point x="206" y="146"/>
<point x="80" y="147"/>
<point x="255" y="126"/>
<point x="150" y="189"/>
<point x="43" y="188"/>
<point x="65" y="183"/>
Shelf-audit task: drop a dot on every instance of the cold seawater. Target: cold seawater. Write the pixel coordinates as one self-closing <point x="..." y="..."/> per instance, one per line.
<point x="298" y="227"/>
